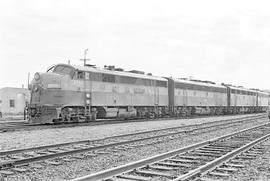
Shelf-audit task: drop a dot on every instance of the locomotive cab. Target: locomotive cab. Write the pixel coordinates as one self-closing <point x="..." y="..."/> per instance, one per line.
<point x="58" y="95"/>
<point x="47" y="94"/>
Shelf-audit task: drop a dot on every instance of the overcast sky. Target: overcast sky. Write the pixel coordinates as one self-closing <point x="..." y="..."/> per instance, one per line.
<point x="224" y="41"/>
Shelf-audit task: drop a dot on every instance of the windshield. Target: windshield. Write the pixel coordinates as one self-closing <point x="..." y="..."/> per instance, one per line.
<point x="64" y="70"/>
<point x="50" y="69"/>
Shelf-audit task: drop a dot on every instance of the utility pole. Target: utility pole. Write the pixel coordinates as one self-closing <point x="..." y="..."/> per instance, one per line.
<point x="28" y="77"/>
<point x="85" y="59"/>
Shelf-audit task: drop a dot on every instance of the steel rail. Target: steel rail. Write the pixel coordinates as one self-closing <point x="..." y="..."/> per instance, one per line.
<point x="131" y="166"/>
<point x="81" y="150"/>
<point x="16" y="151"/>
<point x="217" y="162"/>
<point x="24" y="161"/>
<point x="96" y="123"/>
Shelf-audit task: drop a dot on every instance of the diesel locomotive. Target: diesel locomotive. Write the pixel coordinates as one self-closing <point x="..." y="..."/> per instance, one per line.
<point x="67" y="93"/>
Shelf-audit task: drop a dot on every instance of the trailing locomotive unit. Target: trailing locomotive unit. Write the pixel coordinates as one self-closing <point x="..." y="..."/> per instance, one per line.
<point x="241" y="100"/>
<point x="68" y="93"/>
<point x="196" y="97"/>
<point x="189" y="97"/>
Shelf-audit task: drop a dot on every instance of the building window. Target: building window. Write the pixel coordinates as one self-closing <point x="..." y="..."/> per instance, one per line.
<point x="11" y="103"/>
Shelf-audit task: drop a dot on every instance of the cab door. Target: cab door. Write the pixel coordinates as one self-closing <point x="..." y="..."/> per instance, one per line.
<point x="88" y="89"/>
<point x="156" y="95"/>
<point x="185" y="97"/>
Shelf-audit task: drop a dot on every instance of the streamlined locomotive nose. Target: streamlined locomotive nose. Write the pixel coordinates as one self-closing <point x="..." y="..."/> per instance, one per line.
<point x="47" y="80"/>
<point x="44" y="88"/>
<point x="43" y="85"/>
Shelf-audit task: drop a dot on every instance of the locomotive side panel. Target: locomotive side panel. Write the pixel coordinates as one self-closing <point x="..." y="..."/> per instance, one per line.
<point x="120" y="93"/>
<point x="196" y="98"/>
<point x="221" y="98"/>
<point x="206" y="98"/>
<point x="163" y="97"/>
<point x="262" y="100"/>
<point x="180" y="97"/>
<point x="186" y="95"/>
<point x="108" y="94"/>
<point x="243" y="100"/>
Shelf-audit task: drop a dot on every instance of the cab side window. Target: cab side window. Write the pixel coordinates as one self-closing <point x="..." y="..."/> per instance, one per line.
<point x="50" y="69"/>
<point x="79" y="75"/>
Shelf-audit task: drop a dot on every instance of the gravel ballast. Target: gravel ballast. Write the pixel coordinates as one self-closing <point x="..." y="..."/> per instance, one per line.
<point x="87" y="165"/>
<point x="257" y="169"/>
<point x="32" y="138"/>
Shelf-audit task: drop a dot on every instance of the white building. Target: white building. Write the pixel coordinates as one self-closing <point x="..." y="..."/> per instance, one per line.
<point x="13" y="100"/>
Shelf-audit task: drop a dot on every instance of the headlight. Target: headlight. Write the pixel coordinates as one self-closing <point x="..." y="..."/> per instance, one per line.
<point x="36" y="76"/>
<point x="36" y="89"/>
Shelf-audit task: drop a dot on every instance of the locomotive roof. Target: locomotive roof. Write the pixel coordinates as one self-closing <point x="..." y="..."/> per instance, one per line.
<point x="198" y="83"/>
<point x="263" y="92"/>
<point x="242" y="88"/>
<point x="114" y="72"/>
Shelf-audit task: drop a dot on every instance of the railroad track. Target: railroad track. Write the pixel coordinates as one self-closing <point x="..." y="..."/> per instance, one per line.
<point x="16" y="126"/>
<point x="22" y="159"/>
<point x="210" y="160"/>
<point x="12" y="126"/>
